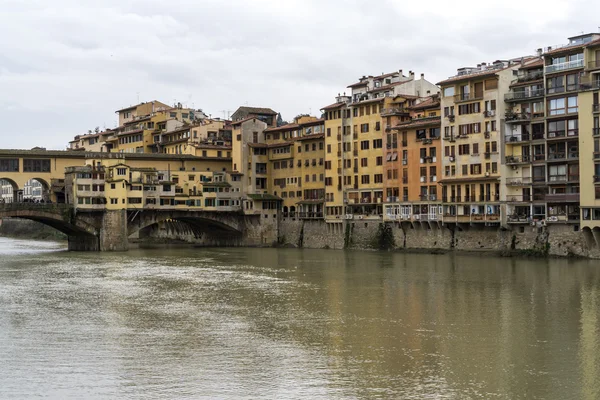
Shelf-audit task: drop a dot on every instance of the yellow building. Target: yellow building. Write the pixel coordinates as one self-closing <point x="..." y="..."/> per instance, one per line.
<point x="472" y="104"/>
<point x="296" y="166"/>
<point x="354" y="143"/>
<point x="589" y="139"/>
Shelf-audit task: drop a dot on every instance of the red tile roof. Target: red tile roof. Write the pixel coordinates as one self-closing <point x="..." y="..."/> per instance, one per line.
<point x="419" y="122"/>
<point x="430" y="102"/>
<point x="308" y="137"/>
<point x="282" y="128"/>
<point x="358" y="84"/>
<point x="332" y="106"/>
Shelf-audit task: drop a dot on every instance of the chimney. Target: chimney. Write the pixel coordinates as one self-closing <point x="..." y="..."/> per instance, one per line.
<point x="428" y="92"/>
<point x="400" y="72"/>
<point x="422" y="76"/>
<point x="538" y="52"/>
<point x="411" y="74"/>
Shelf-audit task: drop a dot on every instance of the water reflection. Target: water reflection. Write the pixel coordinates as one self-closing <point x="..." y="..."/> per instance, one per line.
<point x="288" y="323"/>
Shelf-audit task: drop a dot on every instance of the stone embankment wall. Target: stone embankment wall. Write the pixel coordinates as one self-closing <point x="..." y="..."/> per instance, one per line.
<point x="553" y="240"/>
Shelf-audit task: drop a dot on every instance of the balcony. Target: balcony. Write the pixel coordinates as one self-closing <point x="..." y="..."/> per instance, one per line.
<point x="518" y="181"/>
<point x="595" y="108"/>
<point x="310" y="215"/>
<point x="527" y="77"/>
<point x="339" y="137"/>
<point x="393" y="111"/>
<point x="562" y="198"/>
<point x="513" y="160"/>
<point x="524" y="137"/>
<point x="513" y="118"/>
<point x="523" y="95"/>
<point x="550" y="69"/>
<point x="467" y="97"/>
<point x="557" y="156"/>
<point x="539" y="157"/>
<point x="518" y="198"/>
<point x="596" y="131"/>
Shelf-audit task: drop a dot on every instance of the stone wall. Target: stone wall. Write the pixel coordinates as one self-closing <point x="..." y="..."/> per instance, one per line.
<point x="552" y="240"/>
<point x="113" y="233"/>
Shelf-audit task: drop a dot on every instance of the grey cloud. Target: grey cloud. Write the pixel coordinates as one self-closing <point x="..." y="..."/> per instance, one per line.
<point x="73" y="63"/>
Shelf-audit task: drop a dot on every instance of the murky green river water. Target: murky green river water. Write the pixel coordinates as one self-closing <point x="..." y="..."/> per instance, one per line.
<point x="189" y="323"/>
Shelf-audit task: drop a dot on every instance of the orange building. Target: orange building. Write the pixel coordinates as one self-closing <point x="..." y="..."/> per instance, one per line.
<point x="412" y="163"/>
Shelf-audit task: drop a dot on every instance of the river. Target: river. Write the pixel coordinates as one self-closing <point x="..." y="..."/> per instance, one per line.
<point x="242" y="323"/>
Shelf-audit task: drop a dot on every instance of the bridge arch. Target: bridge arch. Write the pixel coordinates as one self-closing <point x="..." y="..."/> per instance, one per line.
<point x="9" y="190"/>
<point x="56" y="217"/>
<point x="201" y="225"/>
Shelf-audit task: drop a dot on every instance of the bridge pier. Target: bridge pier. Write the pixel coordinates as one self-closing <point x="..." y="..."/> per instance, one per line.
<point x="113" y="231"/>
<point x="83" y="243"/>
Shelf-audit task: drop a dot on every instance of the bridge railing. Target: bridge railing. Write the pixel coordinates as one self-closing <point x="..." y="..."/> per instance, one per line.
<point x="48" y="207"/>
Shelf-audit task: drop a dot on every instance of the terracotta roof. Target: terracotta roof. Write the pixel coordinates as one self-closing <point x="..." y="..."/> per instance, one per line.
<point x="429" y="103"/>
<point x="481" y="74"/>
<point x="314" y="122"/>
<point x="137" y="105"/>
<point x="358" y="84"/>
<point x="566" y="48"/>
<point x="130" y="132"/>
<point x="332" y="106"/>
<point x="242" y="121"/>
<point x="282" y="128"/>
<point x="308" y="137"/>
<point x="180" y="129"/>
<point x="418" y="122"/>
<point x="386" y="75"/>
<point x="257" y="110"/>
<point x="536" y="63"/>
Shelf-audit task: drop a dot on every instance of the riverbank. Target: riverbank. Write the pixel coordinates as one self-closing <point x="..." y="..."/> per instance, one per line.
<point x="21" y="228"/>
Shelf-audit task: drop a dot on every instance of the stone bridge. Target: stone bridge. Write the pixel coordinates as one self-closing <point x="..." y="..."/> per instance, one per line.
<point x="108" y="230"/>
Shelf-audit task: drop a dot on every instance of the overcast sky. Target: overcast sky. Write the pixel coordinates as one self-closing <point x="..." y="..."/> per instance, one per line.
<point x="66" y="65"/>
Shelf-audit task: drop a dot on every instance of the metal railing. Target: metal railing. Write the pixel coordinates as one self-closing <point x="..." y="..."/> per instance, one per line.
<point x="523" y="137"/>
<point x="523" y="95"/>
<point x="563" y="66"/>
<point x="468" y="96"/>
<point x="517" y="159"/>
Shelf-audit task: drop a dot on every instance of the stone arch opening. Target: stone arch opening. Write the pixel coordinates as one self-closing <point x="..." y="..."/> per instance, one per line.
<point x="588" y="237"/>
<point x="36" y="190"/>
<point x="9" y="190"/>
<point x="210" y="232"/>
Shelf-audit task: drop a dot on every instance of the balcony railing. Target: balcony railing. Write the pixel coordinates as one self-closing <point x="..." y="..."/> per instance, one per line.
<point x="596" y="131"/>
<point x="468" y="96"/>
<point x="537" y="136"/>
<point x="557" y="156"/>
<point x="393" y="111"/>
<point x="517" y="159"/>
<point x="530" y="76"/>
<point x="310" y="215"/>
<point x="595" y="108"/>
<point x="539" y="157"/>
<point x="526" y="181"/>
<point x="519" y="198"/>
<point x="563" y="197"/>
<point x="512" y="117"/>
<point x="564" y="66"/>
<point x="524" y="95"/>
<point x="523" y="137"/>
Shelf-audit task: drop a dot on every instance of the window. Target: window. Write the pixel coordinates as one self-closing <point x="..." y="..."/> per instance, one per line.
<point x="378" y="178"/>
<point x="378" y="126"/>
<point x="365" y="179"/>
<point x="465" y="170"/>
<point x="9" y="165"/>
<point x="556" y="106"/>
<point x="364" y="145"/>
<point x="379" y="160"/>
<point x="449" y="91"/>
<point x="33" y="165"/>
<point x="364" y="128"/>
<point x="494" y="147"/>
<point x="475" y="148"/>
<point x="463" y="149"/>
<point x="377" y="143"/>
<point x="121" y="171"/>
<point x="572" y="104"/>
<point x="363" y="162"/>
